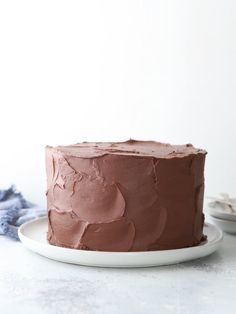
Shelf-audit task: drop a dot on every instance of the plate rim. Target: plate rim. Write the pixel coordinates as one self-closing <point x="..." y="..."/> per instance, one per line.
<point x="23" y="237"/>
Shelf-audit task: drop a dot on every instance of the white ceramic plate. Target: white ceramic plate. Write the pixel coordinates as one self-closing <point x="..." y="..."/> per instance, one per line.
<point x="217" y="212"/>
<point x="226" y="225"/>
<point x="33" y="236"/>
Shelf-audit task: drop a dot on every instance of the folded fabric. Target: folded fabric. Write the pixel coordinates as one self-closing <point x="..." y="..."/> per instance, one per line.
<point x="15" y="210"/>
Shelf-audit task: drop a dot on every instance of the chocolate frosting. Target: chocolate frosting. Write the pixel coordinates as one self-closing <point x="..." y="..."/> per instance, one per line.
<point x="128" y="196"/>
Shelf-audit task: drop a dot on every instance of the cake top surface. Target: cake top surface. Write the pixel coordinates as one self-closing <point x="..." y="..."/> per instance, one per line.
<point x="128" y="148"/>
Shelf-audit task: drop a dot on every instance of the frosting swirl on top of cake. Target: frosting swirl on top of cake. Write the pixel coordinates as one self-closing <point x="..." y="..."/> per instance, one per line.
<point x="130" y="147"/>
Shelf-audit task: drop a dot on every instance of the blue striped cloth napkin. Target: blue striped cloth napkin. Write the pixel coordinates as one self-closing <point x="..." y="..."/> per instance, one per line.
<point x="15" y="210"/>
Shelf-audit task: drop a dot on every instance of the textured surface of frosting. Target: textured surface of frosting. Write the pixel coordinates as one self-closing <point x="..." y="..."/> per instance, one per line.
<point x="130" y="196"/>
<point x="130" y="147"/>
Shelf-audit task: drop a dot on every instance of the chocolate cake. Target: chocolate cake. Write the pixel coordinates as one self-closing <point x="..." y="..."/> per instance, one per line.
<point x="128" y="196"/>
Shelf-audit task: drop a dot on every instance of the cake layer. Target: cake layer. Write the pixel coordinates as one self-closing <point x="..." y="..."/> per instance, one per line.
<point x="130" y="196"/>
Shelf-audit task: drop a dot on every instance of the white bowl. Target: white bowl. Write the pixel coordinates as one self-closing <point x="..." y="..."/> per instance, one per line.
<point x="218" y="212"/>
<point x="228" y="226"/>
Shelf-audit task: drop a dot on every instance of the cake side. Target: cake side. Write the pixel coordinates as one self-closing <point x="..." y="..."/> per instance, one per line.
<point x="122" y="202"/>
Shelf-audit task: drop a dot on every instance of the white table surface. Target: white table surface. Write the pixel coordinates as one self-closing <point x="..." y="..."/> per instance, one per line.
<point x="33" y="284"/>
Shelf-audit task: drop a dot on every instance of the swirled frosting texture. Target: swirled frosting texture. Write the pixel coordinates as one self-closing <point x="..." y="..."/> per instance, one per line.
<point x="128" y="196"/>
